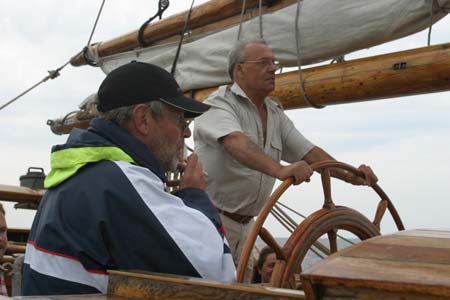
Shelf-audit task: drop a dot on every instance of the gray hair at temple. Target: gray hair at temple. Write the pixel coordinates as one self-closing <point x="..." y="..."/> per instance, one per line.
<point x="122" y="115"/>
<point x="237" y="53"/>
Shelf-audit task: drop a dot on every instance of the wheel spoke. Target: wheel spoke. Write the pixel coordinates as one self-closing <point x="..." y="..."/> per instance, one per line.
<point x="272" y="243"/>
<point x="381" y="209"/>
<point x="324" y="221"/>
<point x="332" y="239"/>
<point x="256" y="228"/>
<point x="326" y="185"/>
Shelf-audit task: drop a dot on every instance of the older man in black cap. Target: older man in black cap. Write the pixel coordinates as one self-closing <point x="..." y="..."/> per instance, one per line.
<point x="106" y="206"/>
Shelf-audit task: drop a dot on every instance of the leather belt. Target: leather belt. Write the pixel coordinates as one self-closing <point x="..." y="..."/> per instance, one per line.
<point x="236" y="217"/>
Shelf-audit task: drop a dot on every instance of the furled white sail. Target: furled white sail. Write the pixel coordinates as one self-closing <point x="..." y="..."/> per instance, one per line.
<point x="327" y="29"/>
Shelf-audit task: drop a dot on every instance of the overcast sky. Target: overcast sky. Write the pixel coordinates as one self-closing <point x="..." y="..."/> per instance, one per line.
<point x="405" y="140"/>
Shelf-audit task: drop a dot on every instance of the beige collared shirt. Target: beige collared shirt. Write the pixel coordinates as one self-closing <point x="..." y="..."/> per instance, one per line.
<point x="232" y="186"/>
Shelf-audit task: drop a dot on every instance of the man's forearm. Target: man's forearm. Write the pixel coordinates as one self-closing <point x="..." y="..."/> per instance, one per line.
<point x="318" y="154"/>
<point x="242" y="149"/>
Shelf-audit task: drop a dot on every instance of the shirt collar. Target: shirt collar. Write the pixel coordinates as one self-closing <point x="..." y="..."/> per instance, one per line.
<point x="237" y="90"/>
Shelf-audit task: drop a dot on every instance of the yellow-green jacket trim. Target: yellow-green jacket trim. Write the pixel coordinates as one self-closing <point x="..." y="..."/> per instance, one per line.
<point x="65" y="163"/>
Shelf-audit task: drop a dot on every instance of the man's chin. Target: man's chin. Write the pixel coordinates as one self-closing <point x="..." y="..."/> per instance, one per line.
<point x="270" y="87"/>
<point x="173" y="165"/>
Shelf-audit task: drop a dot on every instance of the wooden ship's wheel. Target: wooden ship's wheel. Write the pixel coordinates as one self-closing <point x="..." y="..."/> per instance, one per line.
<point x="326" y="221"/>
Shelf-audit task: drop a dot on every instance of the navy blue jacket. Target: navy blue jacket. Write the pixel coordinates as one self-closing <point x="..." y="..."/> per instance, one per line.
<point x="106" y="208"/>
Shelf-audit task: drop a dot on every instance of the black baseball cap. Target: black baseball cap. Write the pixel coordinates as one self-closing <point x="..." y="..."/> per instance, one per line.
<point x="138" y="82"/>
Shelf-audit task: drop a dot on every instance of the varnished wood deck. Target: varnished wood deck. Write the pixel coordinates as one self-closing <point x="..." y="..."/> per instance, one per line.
<point x="134" y="285"/>
<point x="172" y="287"/>
<point x="406" y="265"/>
<point x="70" y="297"/>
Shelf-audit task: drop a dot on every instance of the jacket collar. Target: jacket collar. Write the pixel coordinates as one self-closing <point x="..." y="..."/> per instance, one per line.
<point x="128" y="143"/>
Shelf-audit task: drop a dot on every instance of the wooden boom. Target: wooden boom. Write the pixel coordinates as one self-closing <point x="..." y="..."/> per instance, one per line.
<point x="405" y="73"/>
<point x="205" y="18"/>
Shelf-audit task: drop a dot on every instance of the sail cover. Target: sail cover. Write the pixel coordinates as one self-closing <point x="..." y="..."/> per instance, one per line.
<point x="327" y="29"/>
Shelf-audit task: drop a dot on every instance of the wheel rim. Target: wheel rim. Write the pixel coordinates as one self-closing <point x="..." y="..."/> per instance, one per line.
<point x="285" y="254"/>
<point x="314" y="227"/>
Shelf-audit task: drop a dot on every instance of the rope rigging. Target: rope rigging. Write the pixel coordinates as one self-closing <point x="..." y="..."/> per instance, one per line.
<point x="241" y="19"/>
<point x="304" y="217"/>
<point x="431" y="22"/>
<point x="88" y="56"/>
<point x="433" y="4"/>
<point x="289" y="224"/>
<point x="260" y="15"/>
<point x="52" y="74"/>
<point x="180" y="43"/>
<point x="261" y="35"/>
<point x="300" y="77"/>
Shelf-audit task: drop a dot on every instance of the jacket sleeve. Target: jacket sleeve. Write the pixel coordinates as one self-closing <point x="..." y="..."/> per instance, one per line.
<point x="199" y="200"/>
<point x="163" y="232"/>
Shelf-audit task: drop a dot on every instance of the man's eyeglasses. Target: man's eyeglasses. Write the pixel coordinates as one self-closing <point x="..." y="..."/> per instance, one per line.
<point x="265" y="63"/>
<point x="181" y="122"/>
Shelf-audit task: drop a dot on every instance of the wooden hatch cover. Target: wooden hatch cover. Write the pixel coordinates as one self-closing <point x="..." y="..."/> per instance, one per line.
<point x="411" y="264"/>
<point x="146" y="285"/>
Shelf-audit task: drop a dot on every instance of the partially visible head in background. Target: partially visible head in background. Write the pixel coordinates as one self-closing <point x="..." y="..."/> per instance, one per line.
<point x="3" y="231"/>
<point x="264" y="266"/>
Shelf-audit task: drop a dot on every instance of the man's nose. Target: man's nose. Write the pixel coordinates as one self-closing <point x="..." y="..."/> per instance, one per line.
<point x="272" y="68"/>
<point x="187" y="132"/>
<point x="3" y="238"/>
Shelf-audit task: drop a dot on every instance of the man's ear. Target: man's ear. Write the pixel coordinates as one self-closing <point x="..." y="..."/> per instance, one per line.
<point x="141" y="119"/>
<point x="237" y="72"/>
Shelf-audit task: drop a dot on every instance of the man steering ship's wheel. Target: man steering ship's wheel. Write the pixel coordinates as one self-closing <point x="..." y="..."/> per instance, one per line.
<point x="327" y="220"/>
